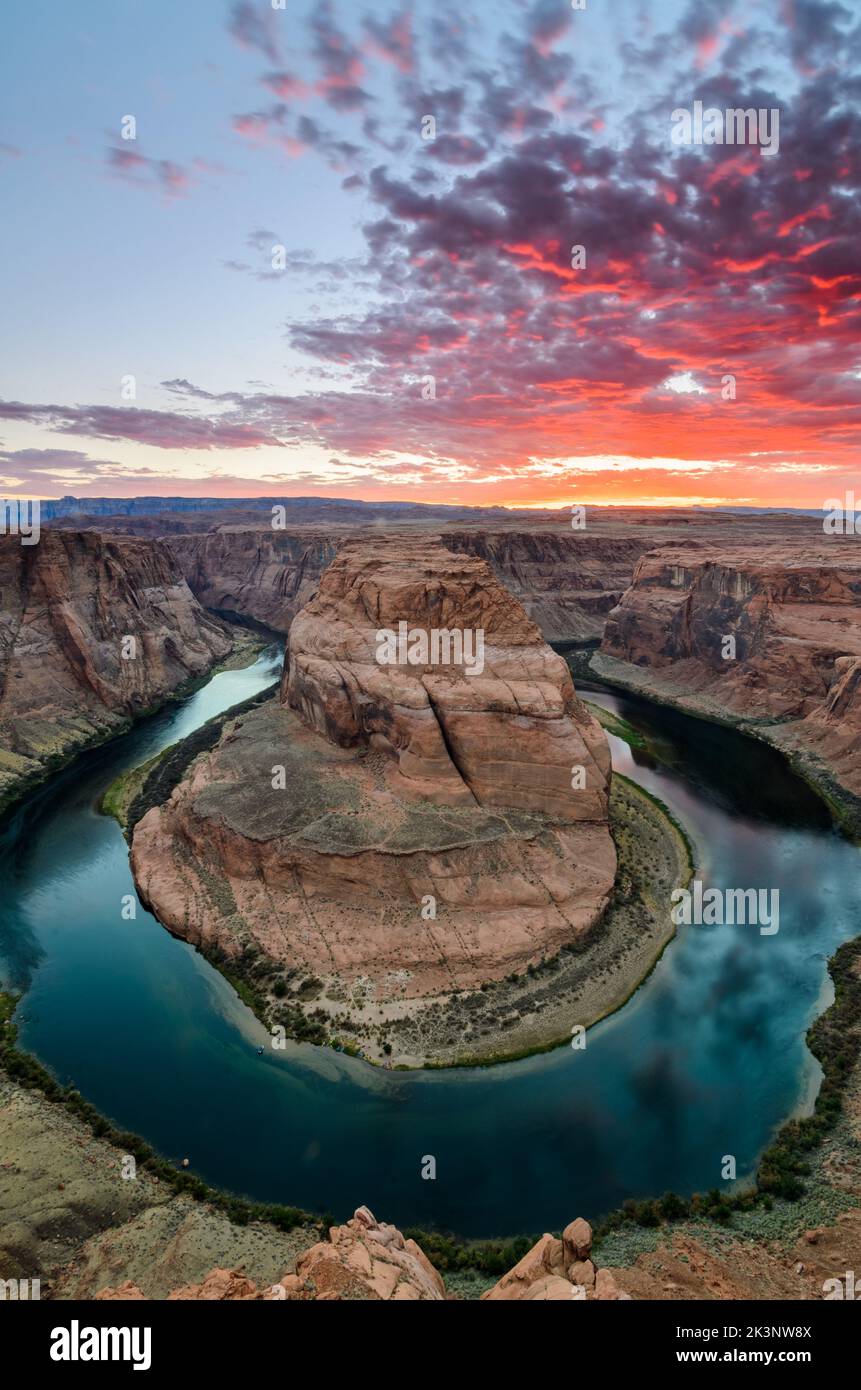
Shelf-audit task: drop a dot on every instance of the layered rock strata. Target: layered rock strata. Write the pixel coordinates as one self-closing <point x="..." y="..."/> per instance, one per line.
<point x="566" y="581"/>
<point x="93" y="631"/>
<point x="766" y="637"/>
<point x="255" y="572"/>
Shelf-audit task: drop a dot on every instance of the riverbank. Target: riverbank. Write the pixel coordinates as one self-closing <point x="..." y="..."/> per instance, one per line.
<point x="585" y="982"/>
<point x="131" y="794"/>
<point x="799" y="1224"/>
<point x="779" y="734"/>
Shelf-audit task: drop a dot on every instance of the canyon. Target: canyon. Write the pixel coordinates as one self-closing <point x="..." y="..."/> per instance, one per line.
<point x="95" y="630"/>
<point x="402" y="786"/>
<point x="566" y="582"/>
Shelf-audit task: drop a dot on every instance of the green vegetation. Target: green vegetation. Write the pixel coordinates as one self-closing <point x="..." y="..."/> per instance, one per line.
<point x="449" y="1254"/>
<point x="119" y="796"/>
<point x="136" y="791"/>
<point x="615" y="724"/>
<point x="835" y="1040"/>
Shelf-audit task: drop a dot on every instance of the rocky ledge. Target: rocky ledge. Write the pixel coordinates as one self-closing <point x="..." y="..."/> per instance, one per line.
<point x="391" y="831"/>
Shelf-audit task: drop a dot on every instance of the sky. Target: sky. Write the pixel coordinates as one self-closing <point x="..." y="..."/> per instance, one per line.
<point x="336" y="257"/>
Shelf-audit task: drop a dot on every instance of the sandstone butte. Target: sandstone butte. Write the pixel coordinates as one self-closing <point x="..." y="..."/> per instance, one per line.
<point x="795" y="615"/>
<point x="65" y="606"/>
<point x="394" y="784"/>
<point x="369" y="1260"/>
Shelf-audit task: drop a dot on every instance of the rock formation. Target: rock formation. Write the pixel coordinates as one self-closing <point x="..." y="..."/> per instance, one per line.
<point x="794" y="617"/>
<point x="566" y="581"/>
<point x="367" y="1259"/>
<point x="501" y="727"/>
<point x="364" y="1259"/>
<point x="406" y="829"/>
<point x="66" y="606"/>
<point x="558" y="1269"/>
<point x="255" y="572"/>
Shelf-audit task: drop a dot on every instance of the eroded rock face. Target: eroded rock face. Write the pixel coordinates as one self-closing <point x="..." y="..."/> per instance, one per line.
<point x="500" y="727"/>
<point x="421" y="833"/>
<point x="255" y="572"/>
<point x="795" y="618"/>
<point x="832" y="729"/>
<point x="566" y="581"/>
<point x="364" y="1259"/>
<point x="66" y="604"/>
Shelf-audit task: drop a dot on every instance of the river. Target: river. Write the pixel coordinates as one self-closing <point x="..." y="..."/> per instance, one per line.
<point x="707" y="1058"/>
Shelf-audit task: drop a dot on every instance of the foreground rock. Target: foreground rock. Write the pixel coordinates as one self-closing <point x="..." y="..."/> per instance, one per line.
<point x="364" y="1259"/>
<point x="794" y="671"/>
<point x="394" y="830"/>
<point x="67" y="607"/>
<point x="367" y="1259"/>
<point x="556" y="1270"/>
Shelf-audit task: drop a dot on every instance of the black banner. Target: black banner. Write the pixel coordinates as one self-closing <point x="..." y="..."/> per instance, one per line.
<point x="237" y="1338"/>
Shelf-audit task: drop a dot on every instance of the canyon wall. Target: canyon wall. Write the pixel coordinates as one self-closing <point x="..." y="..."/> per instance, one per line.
<point x="66" y="604"/>
<point x="766" y="636"/>
<point x="567" y="581"/>
<point x="255" y="572"/>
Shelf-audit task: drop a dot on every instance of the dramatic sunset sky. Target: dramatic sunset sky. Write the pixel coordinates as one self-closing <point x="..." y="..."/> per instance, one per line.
<point x="449" y="258"/>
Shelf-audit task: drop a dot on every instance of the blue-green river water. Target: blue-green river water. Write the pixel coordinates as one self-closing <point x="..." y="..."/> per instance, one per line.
<point x="707" y="1059"/>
